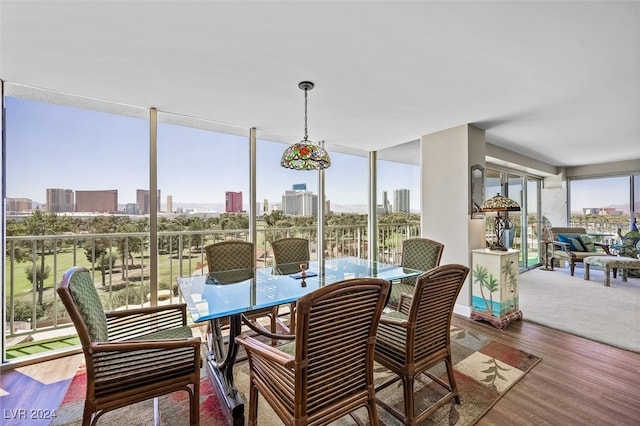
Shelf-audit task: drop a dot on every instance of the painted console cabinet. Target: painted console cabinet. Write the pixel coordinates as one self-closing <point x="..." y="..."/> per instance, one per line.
<point x="494" y="295"/>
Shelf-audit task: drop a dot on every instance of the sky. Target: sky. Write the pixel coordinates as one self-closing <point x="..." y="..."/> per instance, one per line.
<point x="55" y="146"/>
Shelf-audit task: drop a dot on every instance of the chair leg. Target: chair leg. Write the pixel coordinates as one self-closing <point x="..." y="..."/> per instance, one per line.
<point x="452" y="378"/>
<point x="253" y="403"/>
<point x="409" y="409"/>
<point x="87" y="416"/>
<point x="572" y="267"/>
<point x="194" y="411"/>
<point x="372" y="409"/>
<point x="156" y="412"/>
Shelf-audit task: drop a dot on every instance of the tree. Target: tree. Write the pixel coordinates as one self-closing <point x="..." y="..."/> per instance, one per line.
<point x="480" y="277"/>
<point x="39" y="274"/>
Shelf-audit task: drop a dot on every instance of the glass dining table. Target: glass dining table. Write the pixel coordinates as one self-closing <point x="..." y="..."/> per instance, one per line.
<point x="233" y="295"/>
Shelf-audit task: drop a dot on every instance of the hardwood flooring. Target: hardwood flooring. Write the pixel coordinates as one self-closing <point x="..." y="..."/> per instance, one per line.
<point x="578" y="381"/>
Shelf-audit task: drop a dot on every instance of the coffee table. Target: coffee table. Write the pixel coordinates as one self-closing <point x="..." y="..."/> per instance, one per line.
<point x="609" y="263"/>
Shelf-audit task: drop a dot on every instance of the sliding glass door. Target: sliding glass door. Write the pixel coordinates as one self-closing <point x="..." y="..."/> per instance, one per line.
<point x="523" y="233"/>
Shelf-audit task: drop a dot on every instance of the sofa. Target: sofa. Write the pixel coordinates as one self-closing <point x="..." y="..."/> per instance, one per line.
<point x="573" y="245"/>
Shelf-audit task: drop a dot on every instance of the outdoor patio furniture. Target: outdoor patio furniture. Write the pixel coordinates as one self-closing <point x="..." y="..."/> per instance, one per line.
<point x="131" y="355"/>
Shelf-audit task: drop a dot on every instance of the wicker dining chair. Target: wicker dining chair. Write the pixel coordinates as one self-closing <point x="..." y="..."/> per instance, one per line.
<point x="416" y="337"/>
<point x="131" y="355"/>
<point x="288" y="254"/>
<point x="233" y="261"/>
<point x="327" y="371"/>
<point x="417" y="253"/>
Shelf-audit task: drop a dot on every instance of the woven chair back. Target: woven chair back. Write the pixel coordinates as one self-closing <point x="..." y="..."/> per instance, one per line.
<point x="422" y="254"/>
<point x="80" y="297"/>
<point x="288" y="253"/>
<point x="231" y="261"/>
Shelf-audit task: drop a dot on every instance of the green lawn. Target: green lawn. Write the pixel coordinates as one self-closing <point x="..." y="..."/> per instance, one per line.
<point x="40" y="346"/>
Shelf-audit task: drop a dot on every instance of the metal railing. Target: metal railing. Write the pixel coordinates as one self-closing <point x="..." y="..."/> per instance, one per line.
<point x="119" y="263"/>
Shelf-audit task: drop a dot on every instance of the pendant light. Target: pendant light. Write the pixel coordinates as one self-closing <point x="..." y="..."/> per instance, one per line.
<point x="305" y="155"/>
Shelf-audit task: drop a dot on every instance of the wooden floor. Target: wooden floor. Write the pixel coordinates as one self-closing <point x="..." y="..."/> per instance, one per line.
<point x="578" y="381"/>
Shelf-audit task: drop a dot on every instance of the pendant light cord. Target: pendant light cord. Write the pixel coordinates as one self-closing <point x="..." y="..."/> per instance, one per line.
<point x="305" y="115"/>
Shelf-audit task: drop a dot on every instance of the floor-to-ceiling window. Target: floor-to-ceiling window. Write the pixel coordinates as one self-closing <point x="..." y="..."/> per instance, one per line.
<point x="397" y="198"/>
<point x="203" y="189"/>
<point x="77" y="179"/>
<point x="602" y="205"/>
<point x="346" y="195"/>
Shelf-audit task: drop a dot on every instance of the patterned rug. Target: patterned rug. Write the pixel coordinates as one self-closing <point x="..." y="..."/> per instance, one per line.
<point x="485" y="370"/>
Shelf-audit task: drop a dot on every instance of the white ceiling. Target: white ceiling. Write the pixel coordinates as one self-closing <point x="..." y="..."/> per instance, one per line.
<point x="555" y="81"/>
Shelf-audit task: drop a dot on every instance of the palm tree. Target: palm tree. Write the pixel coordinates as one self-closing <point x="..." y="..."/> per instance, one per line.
<point x="491" y="284"/>
<point x="480" y="275"/>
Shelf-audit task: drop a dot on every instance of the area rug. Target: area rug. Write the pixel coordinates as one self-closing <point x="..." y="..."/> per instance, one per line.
<point x="484" y="369"/>
<point x="174" y="407"/>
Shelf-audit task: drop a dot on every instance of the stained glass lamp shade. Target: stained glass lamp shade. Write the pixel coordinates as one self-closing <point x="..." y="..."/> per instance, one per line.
<point x="305" y="155"/>
<point x="500" y="204"/>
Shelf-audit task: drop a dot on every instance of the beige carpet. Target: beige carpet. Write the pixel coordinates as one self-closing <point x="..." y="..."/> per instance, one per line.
<point x="585" y="308"/>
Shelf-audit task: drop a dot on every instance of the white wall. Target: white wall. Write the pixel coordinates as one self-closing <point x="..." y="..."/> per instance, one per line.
<point x="446" y="159"/>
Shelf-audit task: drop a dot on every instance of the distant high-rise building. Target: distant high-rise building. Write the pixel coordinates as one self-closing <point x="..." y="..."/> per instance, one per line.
<point x="386" y="208"/>
<point x="401" y="201"/>
<point x="105" y="201"/>
<point x="131" y="208"/>
<point x="265" y="206"/>
<point x="299" y="187"/>
<point x="19" y="204"/>
<point x="233" y="202"/>
<point x="300" y="203"/>
<point x="60" y="200"/>
<point x="143" y="200"/>
<point x="169" y="203"/>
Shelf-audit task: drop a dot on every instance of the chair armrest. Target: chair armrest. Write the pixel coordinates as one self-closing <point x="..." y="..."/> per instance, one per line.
<point x="562" y="246"/>
<point x="135" y="323"/>
<point x="404" y="304"/>
<point x="558" y="244"/>
<point x="604" y="247"/>
<point x="256" y="347"/>
<point x="384" y="319"/>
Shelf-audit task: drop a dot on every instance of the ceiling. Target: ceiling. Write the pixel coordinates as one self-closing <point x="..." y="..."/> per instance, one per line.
<point x="555" y="81"/>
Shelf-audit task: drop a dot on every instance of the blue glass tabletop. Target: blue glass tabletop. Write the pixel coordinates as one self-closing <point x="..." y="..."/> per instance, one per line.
<point x="225" y="293"/>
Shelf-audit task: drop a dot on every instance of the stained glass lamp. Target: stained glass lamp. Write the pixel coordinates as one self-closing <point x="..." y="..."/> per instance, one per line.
<point x="500" y="204"/>
<point x="305" y="155"/>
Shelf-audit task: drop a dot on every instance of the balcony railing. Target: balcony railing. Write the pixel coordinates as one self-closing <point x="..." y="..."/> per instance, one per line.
<point x="120" y="266"/>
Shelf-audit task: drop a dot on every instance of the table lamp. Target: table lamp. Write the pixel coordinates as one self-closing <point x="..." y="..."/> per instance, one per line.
<point x="498" y="205"/>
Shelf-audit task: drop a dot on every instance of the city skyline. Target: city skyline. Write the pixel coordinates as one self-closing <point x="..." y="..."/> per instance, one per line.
<point x="64" y="201"/>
